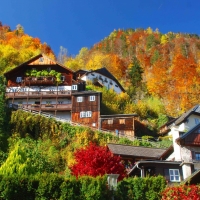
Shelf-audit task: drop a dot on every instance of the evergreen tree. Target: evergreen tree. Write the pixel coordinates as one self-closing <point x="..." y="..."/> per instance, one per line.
<point x="135" y="74"/>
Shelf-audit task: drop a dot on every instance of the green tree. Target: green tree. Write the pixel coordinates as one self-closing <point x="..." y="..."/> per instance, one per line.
<point x="135" y="74"/>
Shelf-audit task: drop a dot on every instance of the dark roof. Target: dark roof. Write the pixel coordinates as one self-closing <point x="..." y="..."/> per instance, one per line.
<point x="86" y="92"/>
<point x="167" y="153"/>
<point x="195" y="110"/>
<point x="136" y="151"/>
<point x="34" y="58"/>
<point x="105" y="72"/>
<point x="118" y="116"/>
<point x="153" y="161"/>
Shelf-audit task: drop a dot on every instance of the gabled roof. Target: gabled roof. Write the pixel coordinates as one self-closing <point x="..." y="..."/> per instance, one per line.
<point x="136" y="151"/>
<point x="118" y="116"/>
<point x="195" y="110"/>
<point x="189" y="134"/>
<point x="35" y="58"/>
<point x="103" y="71"/>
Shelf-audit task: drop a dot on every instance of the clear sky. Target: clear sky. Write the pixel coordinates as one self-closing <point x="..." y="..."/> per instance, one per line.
<point x="74" y="24"/>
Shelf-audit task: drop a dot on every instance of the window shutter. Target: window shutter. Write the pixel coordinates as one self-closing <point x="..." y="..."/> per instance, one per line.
<point x="166" y="173"/>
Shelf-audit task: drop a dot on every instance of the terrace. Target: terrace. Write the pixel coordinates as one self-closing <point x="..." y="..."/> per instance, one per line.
<point x="36" y="94"/>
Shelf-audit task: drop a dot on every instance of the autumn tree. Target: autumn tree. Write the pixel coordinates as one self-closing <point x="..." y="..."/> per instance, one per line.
<point x="97" y="161"/>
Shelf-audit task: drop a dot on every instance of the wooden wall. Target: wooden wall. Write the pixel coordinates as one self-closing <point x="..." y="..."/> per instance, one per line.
<point x="86" y="105"/>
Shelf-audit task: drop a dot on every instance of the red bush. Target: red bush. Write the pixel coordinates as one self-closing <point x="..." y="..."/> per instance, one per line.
<point x="182" y="192"/>
<point x="97" y="161"/>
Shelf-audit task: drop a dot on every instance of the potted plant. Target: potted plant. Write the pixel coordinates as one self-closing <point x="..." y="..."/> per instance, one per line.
<point x="38" y="75"/>
<point x="44" y="73"/>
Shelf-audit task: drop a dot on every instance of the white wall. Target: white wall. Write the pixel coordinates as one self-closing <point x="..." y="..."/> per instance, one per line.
<point x="177" y="148"/>
<point x="90" y="77"/>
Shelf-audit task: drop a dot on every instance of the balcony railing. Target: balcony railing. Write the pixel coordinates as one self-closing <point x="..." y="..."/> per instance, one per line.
<point x="63" y="93"/>
<point x="47" y="107"/>
<point x="39" y="80"/>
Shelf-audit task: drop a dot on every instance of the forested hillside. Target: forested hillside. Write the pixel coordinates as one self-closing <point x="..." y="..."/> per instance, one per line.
<point x="149" y="64"/>
<point x="17" y="47"/>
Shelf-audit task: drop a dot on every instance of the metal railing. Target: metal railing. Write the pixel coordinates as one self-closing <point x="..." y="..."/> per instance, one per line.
<point x="38" y="93"/>
<point x="40" y="113"/>
<point x="132" y="138"/>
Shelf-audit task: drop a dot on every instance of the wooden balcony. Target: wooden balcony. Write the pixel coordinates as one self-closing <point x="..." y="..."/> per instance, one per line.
<point x="51" y="107"/>
<point x="36" y="94"/>
<point x="39" y="81"/>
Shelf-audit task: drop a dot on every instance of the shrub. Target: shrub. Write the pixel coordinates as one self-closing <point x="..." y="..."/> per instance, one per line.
<point x="137" y="188"/>
<point x="191" y="192"/>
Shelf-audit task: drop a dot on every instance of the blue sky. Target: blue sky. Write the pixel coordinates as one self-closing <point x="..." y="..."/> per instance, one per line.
<point x="74" y="24"/>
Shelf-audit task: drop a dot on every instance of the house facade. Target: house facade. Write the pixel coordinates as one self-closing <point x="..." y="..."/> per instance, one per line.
<point x="86" y="108"/>
<point x="121" y="124"/>
<point x="179" y="163"/>
<point x="44" y="85"/>
<point x="146" y="161"/>
<point x="100" y="77"/>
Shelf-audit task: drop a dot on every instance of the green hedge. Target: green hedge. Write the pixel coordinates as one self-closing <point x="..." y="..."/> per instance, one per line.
<point x="148" y="188"/>
<point x="54" y="187"/>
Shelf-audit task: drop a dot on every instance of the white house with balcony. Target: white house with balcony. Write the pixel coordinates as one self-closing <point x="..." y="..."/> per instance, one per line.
<point x="102" y="78"/>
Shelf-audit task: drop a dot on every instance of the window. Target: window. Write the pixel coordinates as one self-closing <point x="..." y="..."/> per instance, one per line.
<point x="92" y="98"/>
<point x="196" y="121"/>
<point x="89" y="114"/>
<point x="110" y="121"/>
<point x="174" y="175"/>
<point x="121" y="121"/>
<point x="82" y="114"/>
<point x="19" y="79"/>
<point x="74" y="87"/>
<point x="48" y="102"/>
<point x="197" y="156"/>
<point x="62" y="78"/>
<point x="60" y="102"/>
<point x="20" y="102"/>
<point x="79" y="99"/>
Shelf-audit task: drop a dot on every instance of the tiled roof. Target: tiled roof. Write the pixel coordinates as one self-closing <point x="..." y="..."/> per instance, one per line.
<point x="136" y="151"/>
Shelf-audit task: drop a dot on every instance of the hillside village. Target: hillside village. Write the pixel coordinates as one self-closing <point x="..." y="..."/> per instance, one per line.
<point x="49" y="112"/>
<point x="65" y="97"/>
